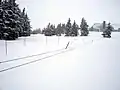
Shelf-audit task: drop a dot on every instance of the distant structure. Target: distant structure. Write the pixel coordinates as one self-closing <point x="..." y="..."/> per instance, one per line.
<point x="100" y="27"/>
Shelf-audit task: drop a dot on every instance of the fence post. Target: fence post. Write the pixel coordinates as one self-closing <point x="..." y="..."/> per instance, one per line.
<point x="6" y="48"/>
<point x="67" y="45"/>
<point x="46" y="40"/>
<point x="24" y="41"/>
<point x="58" y="40"/>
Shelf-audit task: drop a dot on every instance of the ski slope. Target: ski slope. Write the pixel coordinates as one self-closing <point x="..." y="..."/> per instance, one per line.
<point x="89" y="63"/>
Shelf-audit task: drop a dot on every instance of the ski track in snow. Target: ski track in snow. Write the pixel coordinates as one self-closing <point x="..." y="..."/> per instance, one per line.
<point x="93" y="64"/>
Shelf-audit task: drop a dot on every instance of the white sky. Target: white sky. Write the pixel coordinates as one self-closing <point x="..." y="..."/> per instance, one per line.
<point x="41" y="12"/>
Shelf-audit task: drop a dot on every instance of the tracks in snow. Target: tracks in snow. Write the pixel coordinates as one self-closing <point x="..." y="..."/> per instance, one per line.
<point x="18" y="62"/>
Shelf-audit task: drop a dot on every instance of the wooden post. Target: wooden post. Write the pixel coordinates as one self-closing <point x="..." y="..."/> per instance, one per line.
<point x="58" y="40"/>
<point x="92" y="41"/>
<point x="67" y="45"/>
<point x="6" y="49"/>
<point x="46" y="40"/>
<point x="24" y="41"/>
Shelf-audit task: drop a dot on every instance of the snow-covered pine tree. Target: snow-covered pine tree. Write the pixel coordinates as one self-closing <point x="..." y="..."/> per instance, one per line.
<point x="43" y="30"/>
<point x="59" y="30"/>
<point x="1" y="19"/>
<point x="84" y="28"/>
<point x="10" y="30"/>
<point x="63" y="28"/>
<point x="18" y="16"/>
<point x="52" y="29"/>
<point x="74" y="30"/>
<point x="47" y="31"/>
<point x="68" y="28"/>
<point x="107" y="32"/>
<point x="25" y="23"/>
<point x="36" y="31"/>
<point x="12" y="21"/>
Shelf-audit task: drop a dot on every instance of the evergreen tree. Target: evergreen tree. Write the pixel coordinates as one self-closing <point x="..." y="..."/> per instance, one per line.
<point x="74" y="30"/>
<point x="63" y="29"/>
<point x="107" y="32"/>
<point x="84" y="28"/>
<point x="12" y="20"/>
<point x="26" y="28"/>
<point x="59" y="30"/>
<point x="27" y="25"/>
<point x="43" y="30"/>
<point x="50" y="30"/>
<point x="10" y="31"/>
<point x="68" y="28"/>
<point x="1" y="19"/>
<point x="47" y="30"/>
<point x="36" y="31"/>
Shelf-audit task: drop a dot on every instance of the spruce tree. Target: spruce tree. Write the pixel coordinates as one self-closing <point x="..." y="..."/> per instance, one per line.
<point x="84" y="28"/>
<point x="25" y="23"/>
<point x="36" y="31"/>
<point x="74" y="30"/>
<point x="107" y="32"/>
<point x="12" y="20"/>
<point x="68" y="28"/>
<point x="47" y="31"/>
<point x="59" y="30"/>
<point x="1" y="20"/>
<point x="52" y="29"/>
<point x="10" y="31"/>
<point x="63" y="28"/>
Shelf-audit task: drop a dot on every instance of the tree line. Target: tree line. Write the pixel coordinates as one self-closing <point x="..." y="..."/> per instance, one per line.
<point x="14" y="22"/>
<point x="36" y="31"/>
<point x="68" y="29"/>
<point x="72" y="29"/>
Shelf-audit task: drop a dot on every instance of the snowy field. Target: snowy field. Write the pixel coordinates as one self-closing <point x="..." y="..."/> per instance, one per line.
<point x="89" y="63"/>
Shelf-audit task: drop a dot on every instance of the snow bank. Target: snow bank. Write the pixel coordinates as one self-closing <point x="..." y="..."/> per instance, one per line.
<point x="93" y="64"/>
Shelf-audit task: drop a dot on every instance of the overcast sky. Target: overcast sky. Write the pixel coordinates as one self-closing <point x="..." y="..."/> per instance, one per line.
<point x="41" y="12"/>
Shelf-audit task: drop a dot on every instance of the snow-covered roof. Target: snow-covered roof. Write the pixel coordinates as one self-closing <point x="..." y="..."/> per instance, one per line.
<point x="100" y="25"/>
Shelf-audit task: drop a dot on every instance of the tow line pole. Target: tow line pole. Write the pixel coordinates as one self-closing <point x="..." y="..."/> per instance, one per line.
<point x="67" y="45"/>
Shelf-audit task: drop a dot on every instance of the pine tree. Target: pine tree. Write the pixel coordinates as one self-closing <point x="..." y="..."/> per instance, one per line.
<point x="84" y="28"/>
<point x="107" y="32"/>
<point x="68" y="28"/>
<point x="1" y="20"/>
<point x="12" y="20"/>
<point x="36" y="31"/>
<point x="74" y="30"/>
<point x="10" y="31"/>
<point x="59" y="30"/>
<point x="43" y="30"/>
<point x="16" y="10"/>
<point x="52" y="29"/>
<point x="47" y="31"/>
<point x="63" y="29"/>
<point x="25" y="23"/>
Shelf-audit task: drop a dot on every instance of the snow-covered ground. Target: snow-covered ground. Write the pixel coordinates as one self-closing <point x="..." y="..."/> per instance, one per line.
<point x="90" y="63"/>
